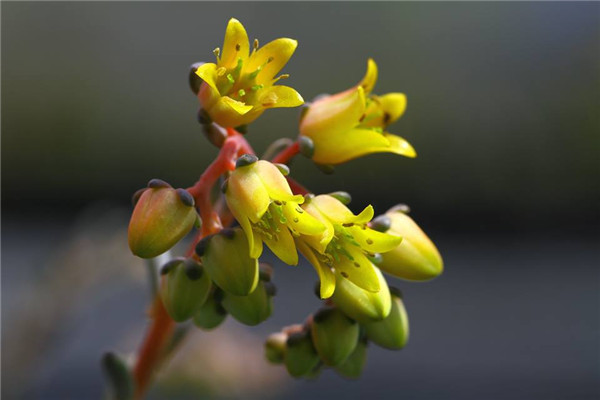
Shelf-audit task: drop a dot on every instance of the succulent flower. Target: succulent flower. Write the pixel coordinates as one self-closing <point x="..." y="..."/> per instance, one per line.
<point x="353" y="123"/>
<point x="261" y="200"/>
<point x="346" y="246"/>
<point x="240" y="86"/>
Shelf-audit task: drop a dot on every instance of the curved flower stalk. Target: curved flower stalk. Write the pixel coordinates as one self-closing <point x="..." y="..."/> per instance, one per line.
<point x="345" y="247"/>
<point x="353" y="123"/>
<point x="241" y="85"/>
<point x="261" y="200"/>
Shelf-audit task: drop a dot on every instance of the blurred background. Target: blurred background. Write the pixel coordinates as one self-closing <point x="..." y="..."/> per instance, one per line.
<point x="503" y="109"/>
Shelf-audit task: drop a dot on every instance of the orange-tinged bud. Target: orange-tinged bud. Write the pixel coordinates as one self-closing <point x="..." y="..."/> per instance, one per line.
<point x="162" y="216"/>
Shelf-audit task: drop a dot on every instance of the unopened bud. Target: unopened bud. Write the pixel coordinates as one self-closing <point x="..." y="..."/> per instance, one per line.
<point x="362" y="305"/>
<point x="300" y="356"/>
<point x="251" y="309"/>
<point x="225" y="257"/>
<point x="159" y="220"/>
<point x="211" y="314"/>
<point x="353" y="366"/>
<point x="334" y="335"/>
<point x="119" y="377"/>
<point x="275" y="347"/>
<point x="392" y="332"/>
<point x="184" y="289"/>
<point x="416" y="258"/>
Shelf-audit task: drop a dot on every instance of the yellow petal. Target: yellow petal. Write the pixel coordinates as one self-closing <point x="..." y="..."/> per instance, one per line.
<point x="345" y="146"/>
<point x="235" y="44"/>
<point x="208" y="73"/>
<point x="283" y="245"/>
<point x="370" y="78"/>
<point x="300" y="221"/>
<point x="237" y="106"/>
<point x="246" y="194"/>
<point x="373" y="241"/>
<point x="228" y="112"/>
<point x="338" y="213"/>
<point x="333" y="115"/>
<point x="274" y="182"/>
<point x="393" y="106"/>
<point x="254" y="242"/>
<point x="278" y="52"/>
<point x="319" y="242"/>
<point x="359" y="271"/>
<point x="326" y="276"/>
<point x="280" y="96"/>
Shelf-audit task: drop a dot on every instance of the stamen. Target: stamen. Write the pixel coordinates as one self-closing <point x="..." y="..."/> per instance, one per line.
<point x="217" y="53"/>
<point x="344" y="274"/>
<point x="221" y="71"/>
<point x="230" y="78"/>
<point x="255" y="44"/>
<point x="369" y="241"/>
<point x="241" y="92"/>
<point x="257" y="87"/>
<point x="237" y="47"/>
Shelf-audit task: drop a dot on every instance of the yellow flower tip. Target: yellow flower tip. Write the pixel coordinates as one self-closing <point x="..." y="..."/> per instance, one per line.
<point x="398" y="145"/>
<point x="393" y="106"/>
<point x="370" y="78"/>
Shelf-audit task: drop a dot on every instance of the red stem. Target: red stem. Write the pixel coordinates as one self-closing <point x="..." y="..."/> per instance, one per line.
<point x="287" y="154"/>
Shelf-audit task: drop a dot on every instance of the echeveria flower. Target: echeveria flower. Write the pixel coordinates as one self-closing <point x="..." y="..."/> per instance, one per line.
<point x="353" y="123"/>
<point x="241" y="85"/>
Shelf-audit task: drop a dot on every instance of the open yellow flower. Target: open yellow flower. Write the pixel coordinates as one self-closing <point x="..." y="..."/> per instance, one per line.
<point x="240" y="86"/>
<point x="261" y="200"/>
<point x="353" y="123"/>
<point x="345" y="245"/>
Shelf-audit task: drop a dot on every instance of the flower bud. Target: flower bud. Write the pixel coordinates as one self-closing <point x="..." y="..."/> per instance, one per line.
<point x="225" y="257"/>
<point x="362" y="305"/>
<point x="184" y="288"/>
<point x="300" y="355"/>
<point x="211" y="314"/>
<point x="253" y="308"/>
<point x="161" y="217"/>
<point x="275" y="347"/>
<point x="392" y="332"/>
<point x="416" y="258"/>
<point x="334" y="335"/>
<point x="119" y="377"/>
<point x="352" y="368"/>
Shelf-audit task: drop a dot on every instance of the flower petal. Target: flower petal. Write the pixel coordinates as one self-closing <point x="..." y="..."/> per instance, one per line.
<point x="321" y="241"/>
<point x="280" y="96"/>
<point x="246" y="194"/>
<point x="338" y="213"/>
<point x="341" y="147"/>
<point x="370" y="78"/>
<point x="359" y="271"/>
<point x="283" y="245"/>
<point x="373" y="241"/>
<point x="300" y="221"/>
<point x="326" y="276"/>
<point x="332" y="115"/>
<point x="208" y="73"/>
<point x="393" y="106"/>
<point x="235" y="44"/>
<point x="275" y="183"/>
<point x="278" y="52"/>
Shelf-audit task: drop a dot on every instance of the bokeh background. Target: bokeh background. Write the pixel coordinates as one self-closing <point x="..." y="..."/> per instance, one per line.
<point x="503" y="109"/>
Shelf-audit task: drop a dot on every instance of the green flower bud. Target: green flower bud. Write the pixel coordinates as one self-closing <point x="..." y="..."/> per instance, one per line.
<point x="275" y="347"/>
<point x="352" y="368"/>
<point x="416" y="258"/>
<point x="225" y="257"/>
<point x="334" y="335"/>
<point x="184" y="288"/>
<point x="252" y="309"/>
<point x="392" y="332"/>
<point x="211" y="314"/>
<point x="362" y="305"/>
<point x="120" y="379"/>
<point x="300" y="355"/>
<point x="161" y="217"/>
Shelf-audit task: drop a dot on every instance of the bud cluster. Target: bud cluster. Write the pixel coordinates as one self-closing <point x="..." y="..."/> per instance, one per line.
<point x="261" y="204"/>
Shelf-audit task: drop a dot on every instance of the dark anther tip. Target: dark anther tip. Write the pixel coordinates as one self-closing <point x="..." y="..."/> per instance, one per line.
<point x="185" y="197"/>
<point x="245" y="160"/>
<point x="157" y="184"/>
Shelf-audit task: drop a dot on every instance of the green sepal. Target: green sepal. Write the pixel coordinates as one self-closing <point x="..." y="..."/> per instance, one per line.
<point x="300" y="355"/>
<point x="251" y="309"/>
<point x="334" y="335"/>
<point x="392" y="332"/>
<point x="118" y="374"/>
<point x="210" y="315"/>
<point x="275" y="347"/>
<point x="353" y="366"/>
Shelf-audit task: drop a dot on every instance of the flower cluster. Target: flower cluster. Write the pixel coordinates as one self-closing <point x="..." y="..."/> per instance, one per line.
<point x="259" y="203"/>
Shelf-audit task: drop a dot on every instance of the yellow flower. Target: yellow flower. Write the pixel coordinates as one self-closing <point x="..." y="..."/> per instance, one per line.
<point x="240" y="86"/>
<point x="345" y="246"/>
<point x="261" y="200"/>
<point x="352" y="123"/>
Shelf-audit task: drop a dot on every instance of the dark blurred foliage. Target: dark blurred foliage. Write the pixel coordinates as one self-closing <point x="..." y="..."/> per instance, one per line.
<point x="503" y="102"/>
